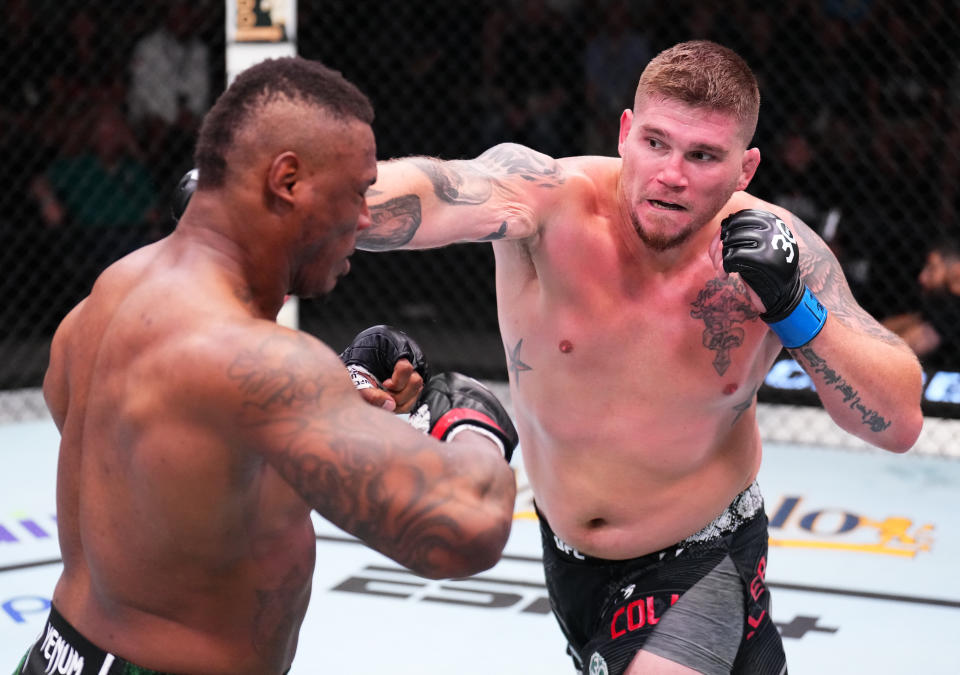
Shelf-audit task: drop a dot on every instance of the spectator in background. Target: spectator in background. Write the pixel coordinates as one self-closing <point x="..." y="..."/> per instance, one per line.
<point x="102" y="196"/>
<point x="170" y="88"/>
<point x="933" y="332"/>
<point x="614" y="55"/>
<point x="24" y="109"/>
<point x="91" y="56"/>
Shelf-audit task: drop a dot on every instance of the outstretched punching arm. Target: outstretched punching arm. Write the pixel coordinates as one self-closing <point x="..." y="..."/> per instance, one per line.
<point x="868" y="380"/>
<point x="441" y="508"/>
<point x="421" y="202"/>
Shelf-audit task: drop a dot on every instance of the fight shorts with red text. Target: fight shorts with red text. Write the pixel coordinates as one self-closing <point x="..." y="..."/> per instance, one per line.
<point x="702" y="602"/>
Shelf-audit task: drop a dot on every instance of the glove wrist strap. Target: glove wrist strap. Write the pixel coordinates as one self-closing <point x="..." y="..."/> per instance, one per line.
<point x="802" y="324"/>
<point x="456" y="420"/>
<point x="477" y="430"/>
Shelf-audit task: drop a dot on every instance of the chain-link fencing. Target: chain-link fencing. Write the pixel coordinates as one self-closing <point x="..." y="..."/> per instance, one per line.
<point x="859" y="133"/>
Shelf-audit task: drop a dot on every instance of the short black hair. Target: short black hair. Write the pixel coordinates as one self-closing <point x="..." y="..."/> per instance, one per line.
<point x="293" y="78"/>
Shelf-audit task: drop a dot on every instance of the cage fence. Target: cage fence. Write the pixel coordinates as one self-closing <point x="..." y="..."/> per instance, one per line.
<point x="859" y="134"/>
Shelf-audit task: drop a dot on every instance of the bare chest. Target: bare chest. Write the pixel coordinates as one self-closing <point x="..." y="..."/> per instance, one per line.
<point x="692" y="336"/>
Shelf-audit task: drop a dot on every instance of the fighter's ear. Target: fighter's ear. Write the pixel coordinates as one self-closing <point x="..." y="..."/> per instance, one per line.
<point x="748" y="167"/>
<point x="626" y="121"/>
<point x="283" y="175"/>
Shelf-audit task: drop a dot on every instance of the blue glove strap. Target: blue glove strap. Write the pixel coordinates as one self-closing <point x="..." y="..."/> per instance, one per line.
<point x="804" y="322"/>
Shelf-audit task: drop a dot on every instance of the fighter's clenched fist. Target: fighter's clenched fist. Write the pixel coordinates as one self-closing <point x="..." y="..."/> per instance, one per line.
<point x="760" y="247"/>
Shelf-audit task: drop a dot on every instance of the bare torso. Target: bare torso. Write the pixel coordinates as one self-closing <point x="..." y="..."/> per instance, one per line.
<point x="168" y="529"/>
<point x="633" y="383"/>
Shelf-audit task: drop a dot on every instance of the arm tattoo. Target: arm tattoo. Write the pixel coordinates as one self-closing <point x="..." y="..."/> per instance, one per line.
<point x="465" y="182"/>
<point x="499" y="234"/>
<point x="360" y="481"/>
<point x="534" y="167"/>
<point x="457" y="183"/>
<point x="454" y="182"/>
<point x="394" y="224"/>
<point x="515" y="365"/>
<point x="822" y="273"/>
<point x="813" y="363"/>
<point x="721" y="305"/>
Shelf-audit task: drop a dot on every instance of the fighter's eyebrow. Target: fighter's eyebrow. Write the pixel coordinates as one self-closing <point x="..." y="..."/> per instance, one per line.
<point x="696" y="147"/>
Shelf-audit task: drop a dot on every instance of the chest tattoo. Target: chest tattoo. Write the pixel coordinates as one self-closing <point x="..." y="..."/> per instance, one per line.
<point x="516" y="366"/>
<point x="723" y="304"/>
<point x="743" y="406"/>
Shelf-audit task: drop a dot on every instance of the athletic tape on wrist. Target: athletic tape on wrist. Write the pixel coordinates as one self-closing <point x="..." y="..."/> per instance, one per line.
<point x="362" y="378"/>
<point x="803" y="324"/>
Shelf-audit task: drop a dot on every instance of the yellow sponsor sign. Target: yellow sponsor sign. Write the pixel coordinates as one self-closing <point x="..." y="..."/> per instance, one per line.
<point x="794" y="525"/>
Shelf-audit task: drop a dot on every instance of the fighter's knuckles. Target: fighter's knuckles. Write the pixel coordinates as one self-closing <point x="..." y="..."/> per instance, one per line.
<point x="379" y="399"/>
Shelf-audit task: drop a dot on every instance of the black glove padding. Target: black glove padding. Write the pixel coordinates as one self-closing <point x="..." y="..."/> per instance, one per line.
<point x="182" y="194"/>
<point x="454" y="401"/>
<point x="377" y="349"/>
<point x="763" y="251"/>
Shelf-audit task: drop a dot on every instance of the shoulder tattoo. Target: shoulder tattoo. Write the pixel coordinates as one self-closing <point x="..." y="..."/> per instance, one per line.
<point x="534" y="167"/>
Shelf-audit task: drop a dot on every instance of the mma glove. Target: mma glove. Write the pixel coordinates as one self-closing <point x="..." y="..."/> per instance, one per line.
<point x="374" y="352"/>
<point x="763" y="251"/>
<point x="452" y="402"/>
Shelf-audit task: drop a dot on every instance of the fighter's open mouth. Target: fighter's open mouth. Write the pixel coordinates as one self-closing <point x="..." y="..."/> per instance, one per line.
<point x="666" y="205"/>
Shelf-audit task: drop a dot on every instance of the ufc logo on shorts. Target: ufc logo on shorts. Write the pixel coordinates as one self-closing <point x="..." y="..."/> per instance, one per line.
<point x="567" y="548"/>
<point x="785" y="240"/>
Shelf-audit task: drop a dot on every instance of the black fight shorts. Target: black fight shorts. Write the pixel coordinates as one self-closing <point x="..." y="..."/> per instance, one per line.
<point x="701" y="602"/>
<point x="62" y="649"/>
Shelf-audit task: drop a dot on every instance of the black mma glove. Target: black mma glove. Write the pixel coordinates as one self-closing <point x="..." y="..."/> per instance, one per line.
<point x="763" y="251"/>
<point x="452" y="402"/>
<point x="182" y="194"/>
<point x="375" y="351"/>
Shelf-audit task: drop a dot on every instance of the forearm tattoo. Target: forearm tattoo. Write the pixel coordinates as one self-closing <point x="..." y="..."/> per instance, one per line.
<point x="723" y="304"/>
<point x="382" y="493"/>
<point x="823" y="275"/>
<point x="813" y="363"/>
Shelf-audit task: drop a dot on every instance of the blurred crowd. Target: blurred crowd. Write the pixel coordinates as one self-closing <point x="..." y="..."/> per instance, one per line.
<point x="859" y="130"/>
<point x="101" y="104"/>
